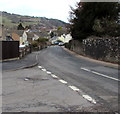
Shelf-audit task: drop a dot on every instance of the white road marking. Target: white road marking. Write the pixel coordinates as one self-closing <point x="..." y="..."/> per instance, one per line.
<point x="74" y="88"/>
<point x="39" y="66"/>
<point x="26" y="79"/>
<point x="87" y="97"/>
<point x="62" y="81"/>
<point x="43" y="69"/>
<point x="85" y="69"/>
<point x="54" y="76"/>
<point x="103" y="75"/>
<point x="49" y="72"/>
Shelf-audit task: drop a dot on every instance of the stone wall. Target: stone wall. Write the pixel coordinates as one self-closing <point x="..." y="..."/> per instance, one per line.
<point x="106" y="49"/>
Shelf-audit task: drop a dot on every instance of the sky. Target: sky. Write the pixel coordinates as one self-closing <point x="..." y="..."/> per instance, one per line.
<point x="56" y="9"/>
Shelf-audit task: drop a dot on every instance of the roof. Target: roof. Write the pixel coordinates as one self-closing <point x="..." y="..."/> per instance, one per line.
<point x="30" y="35"/>
<point x="15" y="37"/>
<point x="19" y="32"/>
<point x="54" y="38"/>
<point x="37" y="33"/>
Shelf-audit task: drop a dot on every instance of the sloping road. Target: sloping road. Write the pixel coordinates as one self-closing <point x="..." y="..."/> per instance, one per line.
<point x="94" y="79"/>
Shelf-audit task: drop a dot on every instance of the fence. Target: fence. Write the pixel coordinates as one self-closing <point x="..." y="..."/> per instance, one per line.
<point x="9" y="50"/>
<point x="24" y="51"/>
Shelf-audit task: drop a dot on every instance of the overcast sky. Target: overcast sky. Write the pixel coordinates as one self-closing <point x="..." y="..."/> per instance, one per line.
<point x="57" y="9"/>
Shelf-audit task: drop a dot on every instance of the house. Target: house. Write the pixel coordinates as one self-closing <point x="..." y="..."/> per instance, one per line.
<point x="30" y="36"/>
<point x="35" y="37"/>
<point x="53" y="39"/>
<point x="23" y="36"/>
<point x="5" y="34"/>
<point x="19" y="35"/>
<point x="65" y="38"/>
<point x="68" y="37"/>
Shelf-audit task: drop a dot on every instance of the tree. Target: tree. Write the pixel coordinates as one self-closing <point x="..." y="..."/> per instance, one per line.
<point x="20" y="27"/>
<point x="52" y="34"/>
<point x="89" y="18"/>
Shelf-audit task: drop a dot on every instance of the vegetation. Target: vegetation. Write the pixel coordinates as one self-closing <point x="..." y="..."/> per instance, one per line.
<point x="34" y="44"/>
<point x="12" y="20"/>
<point x="39" y="44"/>
<point x="94" y="18"/>
<point x="60" y="31"/>
<point x="20" y="27"/>
<point x="42" y="40"/>
<point x="52" y="34"/>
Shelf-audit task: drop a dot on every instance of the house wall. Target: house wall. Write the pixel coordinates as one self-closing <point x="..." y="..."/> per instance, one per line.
<point x="65" y="38"/>
<point x="21" y="40"/>
<point x="68" y="37"/>
<point x="0" y="33"/>
<point x="24" y="37"/>
<point x="35" y="37"/>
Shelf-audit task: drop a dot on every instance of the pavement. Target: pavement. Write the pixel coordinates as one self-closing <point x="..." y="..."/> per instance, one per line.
<point x="29" y="60"/>
<point x="33" y="90"/>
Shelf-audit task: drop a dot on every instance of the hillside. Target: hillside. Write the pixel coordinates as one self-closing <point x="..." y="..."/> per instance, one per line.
<point x="12" y="20"/>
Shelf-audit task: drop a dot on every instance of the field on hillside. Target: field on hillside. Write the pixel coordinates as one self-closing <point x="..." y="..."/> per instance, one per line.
<point x="12" y="20"/>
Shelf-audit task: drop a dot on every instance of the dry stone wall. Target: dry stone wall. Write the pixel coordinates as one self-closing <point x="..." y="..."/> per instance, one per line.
<point x="106" y="49"/>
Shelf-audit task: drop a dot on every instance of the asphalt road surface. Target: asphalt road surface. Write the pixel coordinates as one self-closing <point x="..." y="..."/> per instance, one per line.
<point x="94" y="79"/>
<point x="61" y="82"/>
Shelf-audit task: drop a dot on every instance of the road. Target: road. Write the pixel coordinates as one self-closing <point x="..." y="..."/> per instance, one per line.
<point x="94" y="79"/>
<point x="61" y="82"/>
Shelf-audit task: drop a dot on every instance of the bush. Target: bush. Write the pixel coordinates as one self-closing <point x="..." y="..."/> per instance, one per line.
<point x="42" y="40"/>
<point x="34" y="44"/>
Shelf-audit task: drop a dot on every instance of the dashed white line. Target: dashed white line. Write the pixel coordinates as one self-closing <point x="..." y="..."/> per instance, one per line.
<point x="74" y="88"/>
<point x="87" y="97"/>
<point x="49" y="72"/>
<point x="54" y="76"/>
<point x="63" y="81"/>
<point x="44" y="70"/>
<point x="103" y="75"/>
<point x="39" y="66"/>
<point x="26" y="79"/>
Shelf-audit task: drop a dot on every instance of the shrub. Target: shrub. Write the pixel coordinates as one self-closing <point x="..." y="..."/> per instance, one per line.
<point x="42" y="40"/>
<point x="34" y="44"/>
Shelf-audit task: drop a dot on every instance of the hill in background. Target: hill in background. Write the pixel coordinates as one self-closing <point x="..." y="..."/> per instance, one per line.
<point x="12" y="20"/>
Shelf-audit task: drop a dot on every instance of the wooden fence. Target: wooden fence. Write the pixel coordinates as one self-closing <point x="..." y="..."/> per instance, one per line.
<point x="9" y="50"/>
